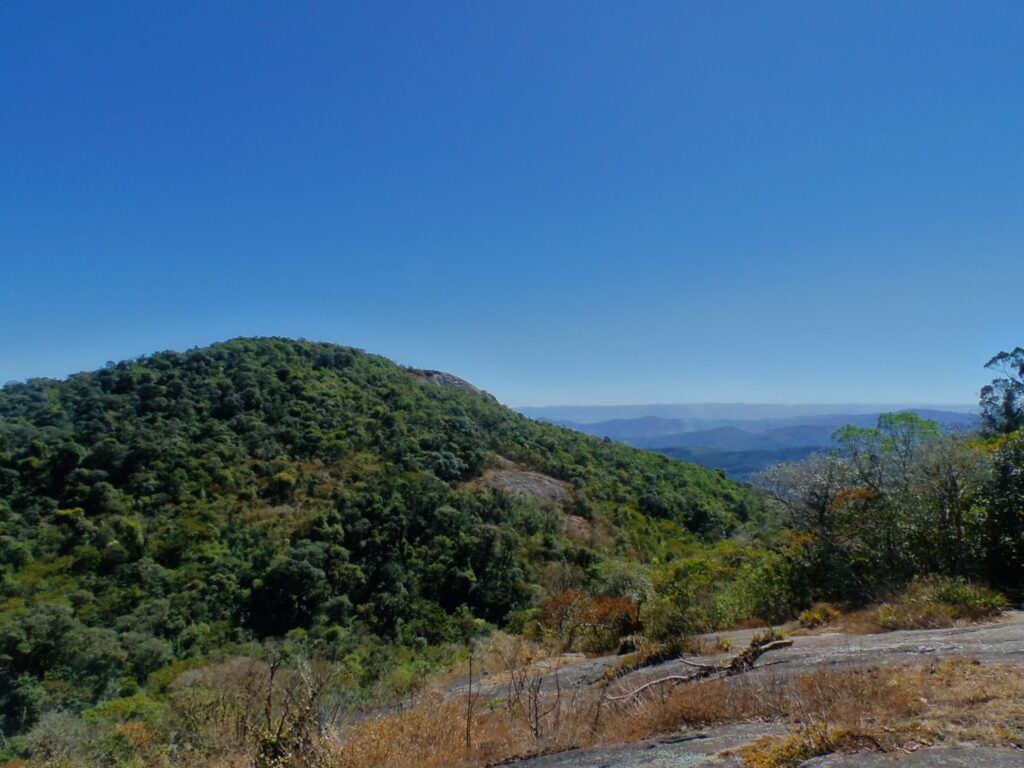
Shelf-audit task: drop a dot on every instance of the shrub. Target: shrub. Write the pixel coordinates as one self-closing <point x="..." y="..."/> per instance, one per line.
<point x="56" y="736"/>
<point x="818" y="615"/>
<point x="765" y="636"/>
<point x="594" y="623"/>
<point x="936" y="601"/>
<point x="645" y="652"/>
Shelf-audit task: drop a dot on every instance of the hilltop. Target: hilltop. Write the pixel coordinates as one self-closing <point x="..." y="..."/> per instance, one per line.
<point x="168" y="507"/>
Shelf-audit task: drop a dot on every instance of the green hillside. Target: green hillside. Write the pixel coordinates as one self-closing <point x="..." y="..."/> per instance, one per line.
<point x="169" y="507"/>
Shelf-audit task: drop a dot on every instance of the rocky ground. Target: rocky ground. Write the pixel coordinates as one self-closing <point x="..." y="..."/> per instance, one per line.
<point x="997" y="643"/>
<point x="710" y="749"/>
<point x="938" y="757"/>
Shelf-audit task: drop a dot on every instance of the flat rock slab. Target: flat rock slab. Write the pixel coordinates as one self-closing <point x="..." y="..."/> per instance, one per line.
<point x="934" y="757"/>
<point x="685" y="750"/>
<point x="705" y="749"/>
<point x="1000" y="642"/>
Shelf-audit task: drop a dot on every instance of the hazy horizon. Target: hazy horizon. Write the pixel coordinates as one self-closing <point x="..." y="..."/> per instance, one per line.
<point x="753" y="403"/>
<point x="588" y="414"/>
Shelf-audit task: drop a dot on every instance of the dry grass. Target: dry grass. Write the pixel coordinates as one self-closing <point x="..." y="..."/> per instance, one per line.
<point x="927" y="603"/>
<point x="490" y="662"/>
<point x="834" y="709"/>
<point x="889" y="710"/>
<point x="864" y="621"/>
<point x="888" y="617"/>
<point x="532" y="715"/>
<point x="875" y="709"/>
<point x="843" y="709"/>
<point x="431" y="734"/>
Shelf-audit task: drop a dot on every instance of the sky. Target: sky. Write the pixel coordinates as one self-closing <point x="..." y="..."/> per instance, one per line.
<point x="563" y="202"/>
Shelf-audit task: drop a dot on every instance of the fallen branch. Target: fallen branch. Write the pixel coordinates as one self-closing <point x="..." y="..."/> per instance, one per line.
<point x="745" y="660"/>
<point x="677" y="679"/>
<point x="695" y="665"/>
<point x="741" y="662"/>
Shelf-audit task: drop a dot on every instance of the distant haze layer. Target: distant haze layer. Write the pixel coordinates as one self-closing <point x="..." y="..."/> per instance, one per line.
<point x="738" y="438"/>
<point x="727" y="412"/>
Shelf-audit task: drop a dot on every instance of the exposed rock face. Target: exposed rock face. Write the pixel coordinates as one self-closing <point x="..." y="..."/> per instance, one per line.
<point x="709" y="748"/>
<point x="450" y="381"/>
<point x="523" y="481"/>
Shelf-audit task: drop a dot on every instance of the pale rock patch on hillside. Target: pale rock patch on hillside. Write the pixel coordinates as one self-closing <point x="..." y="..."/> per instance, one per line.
<point x="515" y="479"/>
<point x="448" y="381"/>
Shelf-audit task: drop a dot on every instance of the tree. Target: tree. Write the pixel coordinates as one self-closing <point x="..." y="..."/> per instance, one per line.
<point x="603" y="620"/>
<point x="1002" y="401"/>
<point x="810" y="491"/>
<point x="889" y="517"/>
<point x="871" y="528"/>
<point x="951" y="474"/>
<point x="819" y="494"/>
<point x="1003" y="519"/>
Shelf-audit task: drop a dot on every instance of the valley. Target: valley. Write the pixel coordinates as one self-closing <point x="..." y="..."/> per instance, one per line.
<point x="739" y="439"/>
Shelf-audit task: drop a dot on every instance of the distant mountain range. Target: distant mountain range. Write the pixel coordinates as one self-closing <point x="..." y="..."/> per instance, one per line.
<point x="699" y="415"/>
<point x="738" y="465"/>
<point x="739" y="438"/>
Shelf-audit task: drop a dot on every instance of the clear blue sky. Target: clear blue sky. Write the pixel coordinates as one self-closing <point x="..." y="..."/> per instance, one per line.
<point x="564" y="202"/>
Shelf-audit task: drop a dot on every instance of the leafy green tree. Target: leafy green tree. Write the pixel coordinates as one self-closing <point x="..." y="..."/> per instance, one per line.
<point x="947" y="487"/>
<point x="1002" y="401"/>
<point x="1003" y="517"/>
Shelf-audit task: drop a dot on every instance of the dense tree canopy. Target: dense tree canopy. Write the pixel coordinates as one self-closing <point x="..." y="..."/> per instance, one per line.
<point x="162" y="508"/>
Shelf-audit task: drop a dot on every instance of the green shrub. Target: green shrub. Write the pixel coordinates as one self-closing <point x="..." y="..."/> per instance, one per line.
<point x="819" y="615"/>
<point x="765" y="636"/>
<point x="138" y="707"/>
<point x="937" y="601"/>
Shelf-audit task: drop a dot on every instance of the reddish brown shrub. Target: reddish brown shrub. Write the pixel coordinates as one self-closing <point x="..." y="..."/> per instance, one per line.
<point x="582" y="620"/>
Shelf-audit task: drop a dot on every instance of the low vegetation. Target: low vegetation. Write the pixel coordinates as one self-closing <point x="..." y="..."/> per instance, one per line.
<point x="819" y="615"/>
<point x="875" y="709"/>
<point x="935" y="602"/>
<point x="896" y="709"/>
<point x="929" y="602"/>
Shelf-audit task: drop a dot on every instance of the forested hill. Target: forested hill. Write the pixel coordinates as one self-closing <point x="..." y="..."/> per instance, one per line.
<point x="161" y="508"/>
